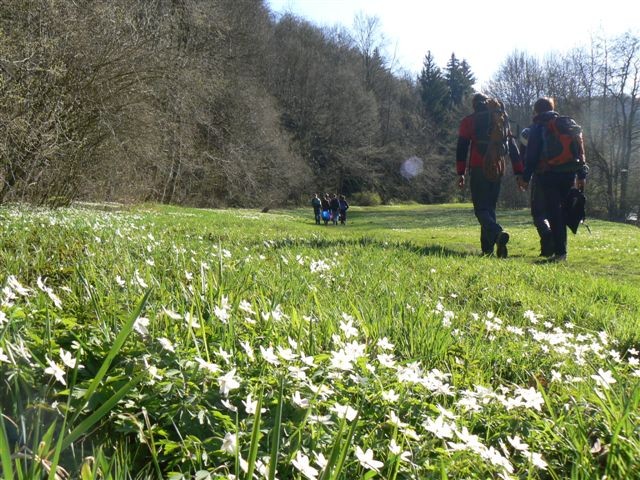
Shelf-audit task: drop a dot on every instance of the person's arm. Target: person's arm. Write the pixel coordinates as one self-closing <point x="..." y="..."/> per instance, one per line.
<point x="514" y="155"/>
<point x="462" y="148"/>
<point x="534" y="149"/>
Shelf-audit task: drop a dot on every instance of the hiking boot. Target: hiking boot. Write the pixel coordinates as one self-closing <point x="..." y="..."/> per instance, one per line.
<point x="554" y="259"/>
<point x="546" y="245"/>
<point x="501" y="244"/>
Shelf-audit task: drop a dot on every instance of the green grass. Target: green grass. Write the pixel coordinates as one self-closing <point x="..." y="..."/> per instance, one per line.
<point x="175" y="316"/>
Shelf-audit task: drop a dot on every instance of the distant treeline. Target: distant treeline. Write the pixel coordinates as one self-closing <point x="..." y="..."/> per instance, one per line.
<point x="221" y="103"/>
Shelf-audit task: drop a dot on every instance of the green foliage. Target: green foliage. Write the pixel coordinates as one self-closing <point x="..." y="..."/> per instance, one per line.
<point x="367" y="199"/>
<point x="434" y="93"/>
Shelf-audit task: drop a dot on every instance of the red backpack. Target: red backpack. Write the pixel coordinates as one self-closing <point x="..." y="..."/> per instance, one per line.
<point x="562" y="144"/>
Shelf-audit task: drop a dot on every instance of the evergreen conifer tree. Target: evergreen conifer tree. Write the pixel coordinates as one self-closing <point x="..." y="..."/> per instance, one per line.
<point x="433" y="90"/>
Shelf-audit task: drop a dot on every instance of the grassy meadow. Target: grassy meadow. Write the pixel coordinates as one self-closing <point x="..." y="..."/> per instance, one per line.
<point x="162" y="342"/>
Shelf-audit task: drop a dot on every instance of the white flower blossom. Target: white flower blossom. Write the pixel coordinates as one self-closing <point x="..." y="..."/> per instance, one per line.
<point x="269" y="356"/>
<point x="166" y="344"/>
<point x="604" y="379"/>
<point x="230" y="443"/>
<point x="344" y="411"/>
<point x="55" y="370"/>
<point x="367" y="461"/>
<point x="228" y="382"/>
<point x="68" y="359"/>
<point x="518" y="444"/>
<point x="390" y="396"/>
<point x="439" y="427"/>
<point x="385" y="344"/>
<point x="299" y="401"/>
<point x="3" y="357"/>
<point x="141" y="325"/>
<point x="302" y="464"/>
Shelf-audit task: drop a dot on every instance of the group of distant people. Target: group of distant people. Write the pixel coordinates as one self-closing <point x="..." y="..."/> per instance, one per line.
<point x="548" y="160"/>
<point x="330" y="208"/>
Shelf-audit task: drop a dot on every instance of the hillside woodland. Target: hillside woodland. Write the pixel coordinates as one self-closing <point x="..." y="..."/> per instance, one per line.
<point x="222" y="103"/>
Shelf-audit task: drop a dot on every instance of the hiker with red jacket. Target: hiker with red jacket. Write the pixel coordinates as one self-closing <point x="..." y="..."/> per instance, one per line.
<point x="485" y="139"/>
<point x="554" y="176"/>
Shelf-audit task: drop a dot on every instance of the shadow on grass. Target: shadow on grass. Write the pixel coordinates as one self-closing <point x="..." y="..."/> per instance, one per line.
<point x="323" y="243"/>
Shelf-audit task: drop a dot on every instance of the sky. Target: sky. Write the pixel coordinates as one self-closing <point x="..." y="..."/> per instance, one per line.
<point x="484" y="33"/>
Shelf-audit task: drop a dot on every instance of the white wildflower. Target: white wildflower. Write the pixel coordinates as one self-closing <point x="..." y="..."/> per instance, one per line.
<point x="604" y="379"/>
<point x="166" y="344"/>
<point x="68" y="359"/>
<point x="439" y="427"/>
<point x="228" y="382"/>
<point x="3" y="357"/>
<point x="344" y="411"/>
<point x="299" y="401"/>
<point x="302" y="464"/>
<point x="230" y="443"/>
<point x="390" y="396"/>
<point x="141" y="326"/>
<point x="55" y="370"/>
<point x="367" y="461"/>
<point x="518" y="444"/>
<point x="269" y="356"/>
<point x="246" y="307"/>
<point x="171" y="314"/>
<point x="385" y="344"/>
<point x="536" y="460"/>
<point x="229" y="405"/>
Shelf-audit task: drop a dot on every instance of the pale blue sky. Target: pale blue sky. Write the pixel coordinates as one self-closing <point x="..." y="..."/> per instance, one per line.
<point x="482" y="32"/>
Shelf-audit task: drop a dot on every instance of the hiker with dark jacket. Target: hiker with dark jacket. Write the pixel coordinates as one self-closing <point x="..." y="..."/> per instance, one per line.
<point x="317" y="205"/>
<point x="552" y="183"/>
<point x="538" y="212"/>
<point x="484" y="191"/>
<point x="344" y="206"/>
<point x="334" y="203"/>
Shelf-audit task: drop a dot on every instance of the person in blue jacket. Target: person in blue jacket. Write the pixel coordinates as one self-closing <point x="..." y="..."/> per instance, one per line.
<point x="554" y="182"/>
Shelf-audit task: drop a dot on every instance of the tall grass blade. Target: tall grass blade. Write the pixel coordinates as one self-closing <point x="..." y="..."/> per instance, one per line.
<point x="100" y="412"/>
<point x="255" y="439"/>
<point x="335" y="452"/>
<point x="117" y="345"/>
<point x="5" y="451"/>
<point x="276" y="433"/>
<point x="345" y="448"/>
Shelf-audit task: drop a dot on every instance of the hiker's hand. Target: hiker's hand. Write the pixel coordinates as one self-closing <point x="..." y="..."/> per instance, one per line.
<point x="580" y="183"/>
<point x="461" y="182"/>
<point x="522" y="185"/>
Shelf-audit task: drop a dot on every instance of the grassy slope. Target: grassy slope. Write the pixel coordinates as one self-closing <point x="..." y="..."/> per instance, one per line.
<point x="391" y="267"/>
<point x="601" y="276"/>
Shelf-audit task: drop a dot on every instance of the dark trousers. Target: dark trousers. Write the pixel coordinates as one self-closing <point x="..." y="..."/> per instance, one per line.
<point x="484" y="195"/>
<point x="555" y="188"/>
<point x="539" y="208"/>
<point x="316" y="214"/>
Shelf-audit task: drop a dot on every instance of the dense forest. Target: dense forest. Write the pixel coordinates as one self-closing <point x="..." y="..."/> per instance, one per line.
<point x="220" y="103"/>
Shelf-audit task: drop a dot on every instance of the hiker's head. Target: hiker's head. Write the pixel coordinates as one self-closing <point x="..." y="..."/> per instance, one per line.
<point x="478" y="101"/>
<point x="543" y="104"/>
